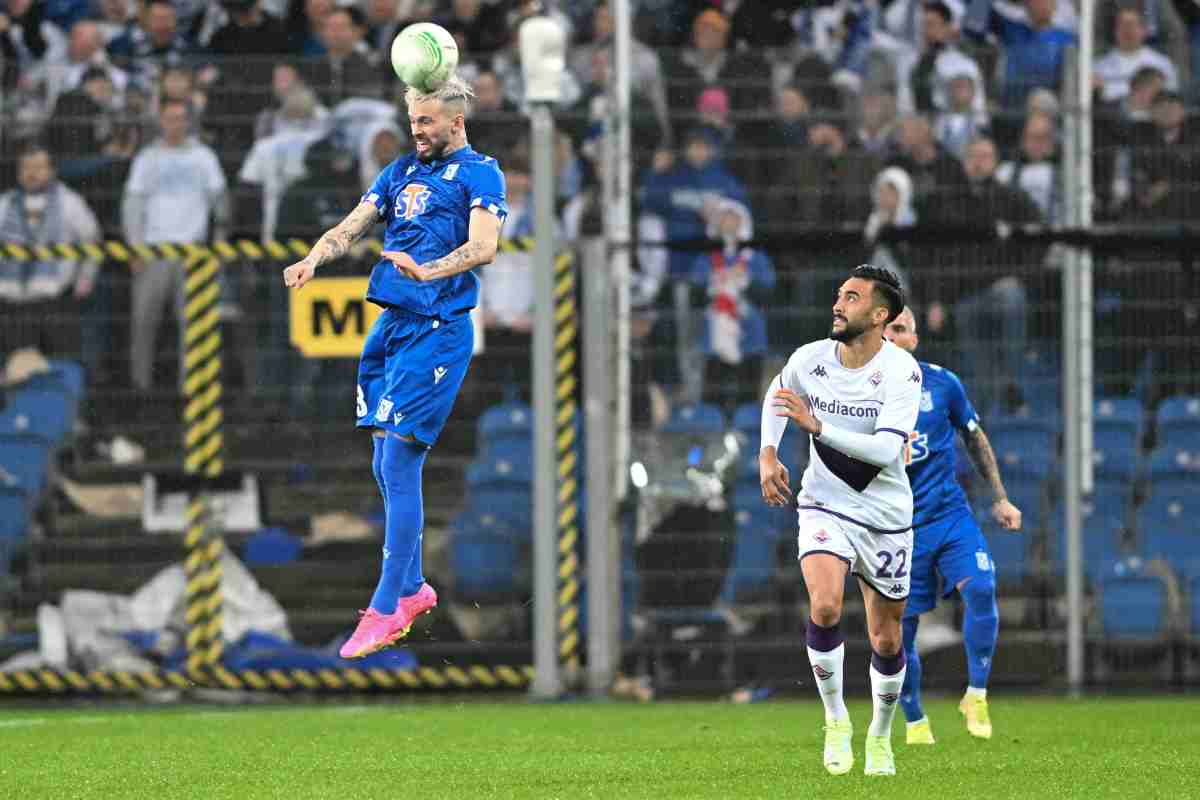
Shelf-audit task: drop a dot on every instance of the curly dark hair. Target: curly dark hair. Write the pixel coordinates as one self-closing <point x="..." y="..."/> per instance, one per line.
<point x="886" y="285"/>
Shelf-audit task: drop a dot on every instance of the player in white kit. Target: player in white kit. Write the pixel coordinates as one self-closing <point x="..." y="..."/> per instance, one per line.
<point x="858" y="396"/>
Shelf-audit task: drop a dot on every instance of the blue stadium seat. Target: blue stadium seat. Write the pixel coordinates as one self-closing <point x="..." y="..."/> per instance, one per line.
<point x="1134" y="607"/>
<point x="72" y="376"/>
<point x="488" y="558"/>
<point x="1110" y="498"/>
<point x="1116" y="426"/>
<point x="50" y="410"/>
<point x="1171" y="461"/>
<point x="754" y="562"/>
<point x="1039" y="379"/>
<point x="1167" y="523"/>
<point x="24" y="461"/>
<point x="508" y="464"/>
<point x="1026" y="494"/>
<point x="14" y="519"/>
<point x="1024" y="446"/>
<point x="506" y="422"/>
<point x="1010" y="550"/>
<point x="695" y="418"/>
<point x="1177" y="415"/>
<point x="1103" y="541"/>
<point x="1194" y="593"/>
<point x="747" y="419"/>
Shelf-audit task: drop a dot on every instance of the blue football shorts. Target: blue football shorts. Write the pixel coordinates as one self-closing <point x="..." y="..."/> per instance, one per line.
<point x="411" y="369"/>
<point x="949" y="550"/>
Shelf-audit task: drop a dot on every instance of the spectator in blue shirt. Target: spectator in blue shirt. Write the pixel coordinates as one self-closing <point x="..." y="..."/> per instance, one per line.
<point x="1034" y="47"/>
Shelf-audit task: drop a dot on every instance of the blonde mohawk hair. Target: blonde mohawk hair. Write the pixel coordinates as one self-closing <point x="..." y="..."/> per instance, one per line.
<point x="454" y="91"/>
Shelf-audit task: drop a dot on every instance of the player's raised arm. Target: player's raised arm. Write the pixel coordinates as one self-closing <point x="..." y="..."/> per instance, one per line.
<point x="483" y="240"/>
<point x="333" y="244"/>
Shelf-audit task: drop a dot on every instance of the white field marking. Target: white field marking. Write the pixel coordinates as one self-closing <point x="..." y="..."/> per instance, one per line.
<point x="22" y="723"/>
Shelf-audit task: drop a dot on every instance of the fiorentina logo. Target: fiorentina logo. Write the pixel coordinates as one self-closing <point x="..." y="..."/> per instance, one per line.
<point x="876" y="378"/>
<point x="821" y="536"/>
<point x="889" y="698"/>
<point x="822" y="673"/>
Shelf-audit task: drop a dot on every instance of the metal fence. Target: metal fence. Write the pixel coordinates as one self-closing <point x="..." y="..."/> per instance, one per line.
<point x="746" y="221"/>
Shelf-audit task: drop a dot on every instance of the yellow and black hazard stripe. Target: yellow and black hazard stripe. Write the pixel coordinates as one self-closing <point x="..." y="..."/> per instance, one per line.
<point x="237" y="250"/>
<point x="203" y="446"/>
<point x="566" y="410"/>
<point x="449" y="678"/>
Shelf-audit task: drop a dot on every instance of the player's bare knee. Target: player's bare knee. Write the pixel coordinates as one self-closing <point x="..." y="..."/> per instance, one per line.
<point x="826" y="611"/>
<point x="886" y="642"/>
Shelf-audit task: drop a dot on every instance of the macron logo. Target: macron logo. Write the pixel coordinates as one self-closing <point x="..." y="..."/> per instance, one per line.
<point x="438" y="374"/>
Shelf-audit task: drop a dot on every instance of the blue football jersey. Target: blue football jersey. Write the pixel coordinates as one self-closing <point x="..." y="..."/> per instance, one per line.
<point x="945" y="409"/>
<point x="427" y="208"/>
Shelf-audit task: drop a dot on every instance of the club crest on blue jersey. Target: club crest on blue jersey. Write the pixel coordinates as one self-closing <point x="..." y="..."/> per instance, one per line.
<point x="927" y="401"/>
<point x="412" y="200"/>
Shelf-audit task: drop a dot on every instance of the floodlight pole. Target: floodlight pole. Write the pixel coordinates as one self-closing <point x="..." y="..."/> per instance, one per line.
<point x="542" y="46"/>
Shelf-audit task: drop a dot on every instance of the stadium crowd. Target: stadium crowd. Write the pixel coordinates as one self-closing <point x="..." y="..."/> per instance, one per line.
<point x="190" y="120"/>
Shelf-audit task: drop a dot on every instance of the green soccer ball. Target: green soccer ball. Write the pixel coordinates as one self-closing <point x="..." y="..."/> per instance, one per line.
<point x="424" y="56"/>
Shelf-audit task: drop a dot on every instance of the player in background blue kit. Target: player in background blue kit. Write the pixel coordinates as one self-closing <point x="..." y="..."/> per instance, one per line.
<point x="947" y="540"/>
<point x="443" y="207"/>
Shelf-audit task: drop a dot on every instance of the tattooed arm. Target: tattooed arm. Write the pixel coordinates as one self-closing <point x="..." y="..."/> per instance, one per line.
<point x="334" y="244"/>
<point x="483" y="239"/>
<point x="984" y="459"/>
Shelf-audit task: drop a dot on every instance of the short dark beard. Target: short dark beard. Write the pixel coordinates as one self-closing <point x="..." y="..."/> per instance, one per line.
<point x="434" y="152"/>
<point x="848" y="333"/>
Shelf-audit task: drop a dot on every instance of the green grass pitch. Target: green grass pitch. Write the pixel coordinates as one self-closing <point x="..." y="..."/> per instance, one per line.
<point x="1043" y="748"/>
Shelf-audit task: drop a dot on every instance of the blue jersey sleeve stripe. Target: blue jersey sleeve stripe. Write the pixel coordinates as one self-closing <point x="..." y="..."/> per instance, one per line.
<point x="901" y="434"/>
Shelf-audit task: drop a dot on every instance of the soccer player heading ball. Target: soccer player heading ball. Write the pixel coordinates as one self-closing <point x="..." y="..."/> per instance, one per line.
<point x="443" y="206"/>
<point x="857" y="395"/>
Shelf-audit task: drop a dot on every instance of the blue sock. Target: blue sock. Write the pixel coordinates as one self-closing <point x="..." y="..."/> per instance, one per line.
<point x="400" y="464"/>
<point x="981" y="625"/>
<point x="910" y="695"/>
<point x="377" y="468"/>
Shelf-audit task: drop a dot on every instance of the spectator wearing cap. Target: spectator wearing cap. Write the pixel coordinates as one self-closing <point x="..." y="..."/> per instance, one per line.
<point x="709" y="61"/>
<point x="1113" y="71"/>
<point x="343" y="71"/>
<point x="1035" y="45"/>
<point x="40" y="299"/>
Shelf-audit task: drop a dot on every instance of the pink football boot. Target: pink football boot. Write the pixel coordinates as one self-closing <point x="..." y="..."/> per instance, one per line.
<point x="376" y="631"/>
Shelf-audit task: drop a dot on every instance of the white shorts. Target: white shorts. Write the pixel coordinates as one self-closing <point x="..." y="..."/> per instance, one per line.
<point x="883" y="560"/>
